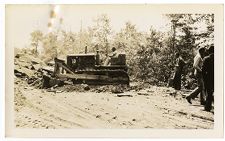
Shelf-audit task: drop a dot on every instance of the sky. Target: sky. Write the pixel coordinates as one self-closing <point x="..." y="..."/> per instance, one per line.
<point x="21" y="20"/>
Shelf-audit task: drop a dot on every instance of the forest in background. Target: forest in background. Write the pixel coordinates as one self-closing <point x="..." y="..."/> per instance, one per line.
<point x="150" y="55"/>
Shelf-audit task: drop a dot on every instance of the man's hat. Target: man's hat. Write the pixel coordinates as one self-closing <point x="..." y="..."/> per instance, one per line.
<point x="201" y="49"/>
<point x="113" y="49"/>
<point x="211" y="49"/>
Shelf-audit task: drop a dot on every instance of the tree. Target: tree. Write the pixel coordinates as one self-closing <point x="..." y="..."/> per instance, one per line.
<point x="50" y="46"/>
<point x="36" y="38"/>
<point x="205" y="36"/>
<point x="102" y="32"/>
<point x="128" y="40"/>
<point x="150" y="67"/>
<point x="193" y="30"/>
<point x="86" y="39"/>
<point x="66" y="43"/>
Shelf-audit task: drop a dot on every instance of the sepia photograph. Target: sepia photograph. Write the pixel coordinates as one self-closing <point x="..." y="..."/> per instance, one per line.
<point x="112" y="66"/>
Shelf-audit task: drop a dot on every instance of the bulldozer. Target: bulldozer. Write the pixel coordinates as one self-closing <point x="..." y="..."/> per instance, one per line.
<point x="86" y="68"/>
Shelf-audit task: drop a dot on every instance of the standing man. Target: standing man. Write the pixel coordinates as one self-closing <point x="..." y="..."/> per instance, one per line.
<point x="198" y="62"/>
<point x="178" y="70"/>
<point x="208" y="77"/>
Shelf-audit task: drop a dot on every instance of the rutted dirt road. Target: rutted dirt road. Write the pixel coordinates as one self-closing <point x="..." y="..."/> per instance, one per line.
<point x="153" y="107"/>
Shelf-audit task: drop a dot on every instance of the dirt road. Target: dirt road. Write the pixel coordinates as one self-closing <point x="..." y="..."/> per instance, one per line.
<point x="153" y="107"/>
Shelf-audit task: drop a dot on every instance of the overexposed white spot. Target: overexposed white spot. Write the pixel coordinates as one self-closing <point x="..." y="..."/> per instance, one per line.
<point x="56" y="9"/>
